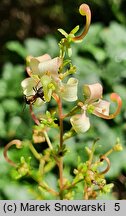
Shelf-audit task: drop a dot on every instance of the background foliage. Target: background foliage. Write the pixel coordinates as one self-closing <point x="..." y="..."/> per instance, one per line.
<point x="29" y="27"/>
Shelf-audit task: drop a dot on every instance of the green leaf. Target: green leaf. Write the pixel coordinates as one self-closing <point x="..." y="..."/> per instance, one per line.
<point x="2" y="113"/>
<point x="12" y="76"/>
<point x="12" y="72"/>
<point x="2" y="129"/>
<point x="63" y="32"/>
<point x="113" y="72"/>
<point x="97" y="52"/>
<point x="114" y="38"/>
<point x="121" y="90"/>
<point x="51" y="46"/>
<point x="17" y="47"/>
<point x="10" y="105"/>
<point x="3" y="88"/>
<point x="75" y="30"/>
<point x="35" y="47"/>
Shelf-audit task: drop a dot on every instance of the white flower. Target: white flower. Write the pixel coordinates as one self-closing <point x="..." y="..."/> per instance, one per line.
<point x="80" y="123"/>
<point x="44" y="65"/>
<point x="43" y="72"/>
<point x="30" y="88"/>
<point x="68" y="91"/>
<point x="97" y="106"/>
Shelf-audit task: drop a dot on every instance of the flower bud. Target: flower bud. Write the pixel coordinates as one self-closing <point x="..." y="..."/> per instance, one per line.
<point x="118" y="147"/>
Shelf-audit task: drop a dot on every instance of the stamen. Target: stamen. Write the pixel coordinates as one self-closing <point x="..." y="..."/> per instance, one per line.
<point x="18" y="144"/>
<point x="103" y="157"/>
<point x="116" y="98"/>
<point x="84" y="11"/>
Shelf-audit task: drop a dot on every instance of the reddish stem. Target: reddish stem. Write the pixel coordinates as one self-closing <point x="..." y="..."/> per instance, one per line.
<point x="33" y="115"/>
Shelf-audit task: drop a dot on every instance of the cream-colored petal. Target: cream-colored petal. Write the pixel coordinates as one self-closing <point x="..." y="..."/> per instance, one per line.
<point x="34" y="62"/>
<point x="34" y="66"/>
<point x="27" y="85"/>
<point x="68" y="91"/>
<point x="80" y="123"/>
<point x="93" y="92"/>
<point x="43" y="58"/>
<point x="39" y="102"/>
<point x="50" y="67"/>
<point x="102" y="106"/>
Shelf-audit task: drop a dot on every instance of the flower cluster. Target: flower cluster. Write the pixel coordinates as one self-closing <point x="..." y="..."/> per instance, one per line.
<point x="43" y="74"/>
<point x="45" y="81"/>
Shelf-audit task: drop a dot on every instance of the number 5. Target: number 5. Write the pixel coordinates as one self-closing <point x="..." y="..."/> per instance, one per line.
<point x="117" y="207"/>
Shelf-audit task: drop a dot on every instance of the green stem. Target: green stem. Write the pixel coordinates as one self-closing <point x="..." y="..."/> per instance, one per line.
<point x="35" y="153"/>
<point x="108" y="152"/>
<point x="92" y="153"/>
<point x="72" y="70"/>
<point x="86" y="197"/>
<point x="73" y="111"/>
<point x="73" y="184"/>
<point x="69" y="134"/>
<point x="44" y="186"/>
<point x="48" y="140"/>
<point x="41" y="167"/>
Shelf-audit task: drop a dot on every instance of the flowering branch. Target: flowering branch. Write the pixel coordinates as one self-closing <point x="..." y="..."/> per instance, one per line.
<point x="50" y="78"/>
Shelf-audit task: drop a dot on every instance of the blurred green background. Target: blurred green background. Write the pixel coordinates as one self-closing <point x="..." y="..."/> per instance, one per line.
<point x="30" y="28"/>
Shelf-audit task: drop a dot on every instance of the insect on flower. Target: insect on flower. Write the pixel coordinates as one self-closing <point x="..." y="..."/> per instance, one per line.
<point x="32" y="98"/>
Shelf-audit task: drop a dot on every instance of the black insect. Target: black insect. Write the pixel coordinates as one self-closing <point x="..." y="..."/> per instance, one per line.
<point x="38" y="94"/>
